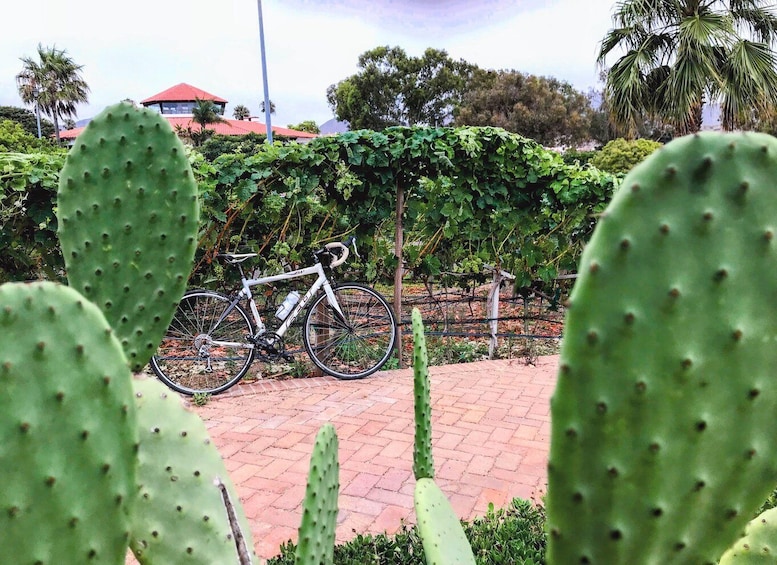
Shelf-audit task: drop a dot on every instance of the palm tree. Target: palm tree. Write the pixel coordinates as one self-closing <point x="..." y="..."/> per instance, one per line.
<point x="240" y="112"/>
<point x="676" y="55"/>
<point x="205" y="112"/>
<point x="54" y="82"/>
<point x="272" y="107"/>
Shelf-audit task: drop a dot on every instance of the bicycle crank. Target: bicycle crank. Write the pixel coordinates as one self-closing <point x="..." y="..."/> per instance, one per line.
<point x="270" y="347"/>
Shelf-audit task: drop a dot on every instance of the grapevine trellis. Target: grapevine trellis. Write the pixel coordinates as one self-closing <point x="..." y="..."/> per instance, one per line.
<point x="434" y="205"/>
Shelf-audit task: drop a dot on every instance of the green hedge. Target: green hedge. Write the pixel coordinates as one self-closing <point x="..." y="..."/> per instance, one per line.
<point x="474" y="197"/>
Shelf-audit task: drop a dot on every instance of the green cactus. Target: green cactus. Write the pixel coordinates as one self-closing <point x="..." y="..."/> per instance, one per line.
<point x="319" y="509"/>
<point x="440" y="530"/>
<point x="423" y="463"/>
<point x="662" y="419"/>
<point x="180" y="514"/>
<point x="67" y="430"/>
<point x="86" y="476"/>
<point x="759" y="544"/>
<point x="441" y="533"/>
<point x="128" y="217"/>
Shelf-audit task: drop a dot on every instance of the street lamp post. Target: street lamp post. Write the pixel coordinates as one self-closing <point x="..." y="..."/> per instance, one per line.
<point x="35" y="95"/>
<point x="268" y="125"/>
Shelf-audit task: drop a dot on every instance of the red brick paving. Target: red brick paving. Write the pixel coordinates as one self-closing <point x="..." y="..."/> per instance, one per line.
<point x="490" y="427"/>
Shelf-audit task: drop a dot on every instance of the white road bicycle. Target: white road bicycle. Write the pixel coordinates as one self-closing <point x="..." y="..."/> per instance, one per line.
<point x="348" y="331"/>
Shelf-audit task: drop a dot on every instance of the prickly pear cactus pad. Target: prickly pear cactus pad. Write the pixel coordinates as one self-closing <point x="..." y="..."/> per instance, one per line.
<point x="759" y="544"/>
<point x="319" y="509"/>
<point x="440" y="529"/>
<point x="663" y="429"/>
<point x="128" y="218"/>
<point x="67" y="430"/>
<point x="181" y="514"/>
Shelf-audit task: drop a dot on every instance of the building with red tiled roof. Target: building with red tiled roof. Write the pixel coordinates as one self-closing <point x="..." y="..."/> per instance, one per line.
<point x="181" y="99"/>
<point x="176" y="104"/>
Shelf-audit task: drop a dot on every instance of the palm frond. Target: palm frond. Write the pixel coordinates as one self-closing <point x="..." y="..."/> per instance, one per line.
<point x="751" y="83"/>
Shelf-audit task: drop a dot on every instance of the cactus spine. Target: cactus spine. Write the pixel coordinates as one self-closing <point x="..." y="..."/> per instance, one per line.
<point x="662" y="419"/>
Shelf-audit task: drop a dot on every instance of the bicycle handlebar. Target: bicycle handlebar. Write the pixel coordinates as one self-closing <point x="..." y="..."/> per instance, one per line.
<point x="342" y="250"/>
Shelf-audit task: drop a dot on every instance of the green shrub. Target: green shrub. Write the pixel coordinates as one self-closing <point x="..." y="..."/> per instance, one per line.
<point x="513" y="535"/>
<point x="572" y="156"/>
<point x="620" y="155"/>
<point x="15" y="139"/>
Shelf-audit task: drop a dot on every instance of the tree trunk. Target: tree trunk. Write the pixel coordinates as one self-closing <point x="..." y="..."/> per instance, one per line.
<point x="56" y="126"/>
<point x="398" y="240"/>
<point x="694" y="118"/>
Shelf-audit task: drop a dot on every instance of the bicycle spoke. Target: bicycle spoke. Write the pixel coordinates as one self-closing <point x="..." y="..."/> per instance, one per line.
<point x="355" y="344"/>
<point x="194" y="355"/>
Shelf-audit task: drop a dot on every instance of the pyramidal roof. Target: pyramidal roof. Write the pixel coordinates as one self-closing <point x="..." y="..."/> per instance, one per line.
<point x="182" y="93"/>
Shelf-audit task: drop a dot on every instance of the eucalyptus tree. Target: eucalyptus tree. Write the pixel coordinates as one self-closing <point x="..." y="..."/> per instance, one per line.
<point x="673" y="56"/>
<point x="54" y="82"/>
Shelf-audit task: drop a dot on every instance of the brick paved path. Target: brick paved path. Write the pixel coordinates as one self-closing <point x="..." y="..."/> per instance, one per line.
<point x="491" y="428"/>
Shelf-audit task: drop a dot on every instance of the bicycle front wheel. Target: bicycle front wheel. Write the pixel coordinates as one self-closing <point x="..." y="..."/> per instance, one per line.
<point x="355" y="344"/>
<point x="204" y="349"/>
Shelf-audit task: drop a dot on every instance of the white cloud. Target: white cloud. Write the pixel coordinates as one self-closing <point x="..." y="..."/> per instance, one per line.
<point x="147" y="46"/>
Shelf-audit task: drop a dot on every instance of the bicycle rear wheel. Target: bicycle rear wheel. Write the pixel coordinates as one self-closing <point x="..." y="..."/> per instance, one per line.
<point x="354" y="345"/>
<point x="202" y="353"/>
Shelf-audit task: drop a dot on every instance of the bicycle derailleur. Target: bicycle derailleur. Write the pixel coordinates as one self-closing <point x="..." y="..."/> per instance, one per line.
<point x="270" y="347"/>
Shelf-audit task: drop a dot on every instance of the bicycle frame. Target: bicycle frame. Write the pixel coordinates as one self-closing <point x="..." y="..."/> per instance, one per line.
<point x="245" y="293"/>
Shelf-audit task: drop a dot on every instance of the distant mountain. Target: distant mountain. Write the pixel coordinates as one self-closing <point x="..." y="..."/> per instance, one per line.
<point x="333" y="126"/>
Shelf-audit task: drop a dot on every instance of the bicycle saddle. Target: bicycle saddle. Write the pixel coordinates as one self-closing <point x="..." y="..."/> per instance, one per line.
<point x="234" y="258"/>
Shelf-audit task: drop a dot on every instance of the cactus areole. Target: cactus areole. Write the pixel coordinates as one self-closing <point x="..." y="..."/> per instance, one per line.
<point x="663" y="428"/>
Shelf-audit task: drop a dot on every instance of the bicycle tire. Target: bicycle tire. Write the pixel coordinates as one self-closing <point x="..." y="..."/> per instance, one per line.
<point x="177" y="361"/>
<point x="354" y="347"/>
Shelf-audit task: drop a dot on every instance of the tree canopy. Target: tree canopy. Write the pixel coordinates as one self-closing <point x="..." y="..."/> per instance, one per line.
<point x="545" y="109"/>
<point x="241" y="112"/>
<point x="392" y="88"/>
<point x="204" y="112"/>
<point x="27" y="119"/>
<point x="309" y="126"/>
<point x="677" y="55"/>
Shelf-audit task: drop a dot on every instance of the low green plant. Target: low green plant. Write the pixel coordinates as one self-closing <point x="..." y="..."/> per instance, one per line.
<point x="621" y="155"/>
<point x="201" y="398"/>
<point x="513" y="535"/>
<point x="575" y="157"/>
<point x="447" y="350"/>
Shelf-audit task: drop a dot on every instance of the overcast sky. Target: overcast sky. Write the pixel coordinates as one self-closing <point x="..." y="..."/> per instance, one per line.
<point x="137" y="49"/>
